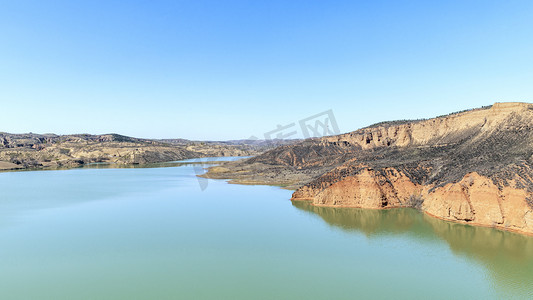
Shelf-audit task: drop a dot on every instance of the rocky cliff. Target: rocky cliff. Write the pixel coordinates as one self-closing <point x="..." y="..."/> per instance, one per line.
<point x="472" y="167"/>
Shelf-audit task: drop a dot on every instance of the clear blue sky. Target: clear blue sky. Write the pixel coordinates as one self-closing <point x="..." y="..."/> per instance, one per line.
<point x="231" y="69"/>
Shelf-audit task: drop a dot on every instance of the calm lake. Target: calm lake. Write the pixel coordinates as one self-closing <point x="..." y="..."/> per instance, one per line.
<point x="154" y="233"/>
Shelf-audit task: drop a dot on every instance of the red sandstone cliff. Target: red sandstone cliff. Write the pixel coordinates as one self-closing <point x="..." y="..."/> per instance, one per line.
<point x="471" y="167"/>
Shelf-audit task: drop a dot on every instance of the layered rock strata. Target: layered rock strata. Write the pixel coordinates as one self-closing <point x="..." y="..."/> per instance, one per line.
<point x="472" y="167"/>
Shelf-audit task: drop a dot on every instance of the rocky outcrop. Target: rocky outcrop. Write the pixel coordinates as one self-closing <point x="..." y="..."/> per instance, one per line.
<point x="473" y="166"/>
<point x="478" y="201"/>
<point x="475" y="199"/>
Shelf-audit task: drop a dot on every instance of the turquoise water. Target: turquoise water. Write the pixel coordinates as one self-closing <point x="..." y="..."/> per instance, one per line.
<point x="153" y="233"/>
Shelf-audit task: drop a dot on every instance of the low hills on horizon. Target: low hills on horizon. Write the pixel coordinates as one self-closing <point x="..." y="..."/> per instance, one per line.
<point x="49" y="151"/>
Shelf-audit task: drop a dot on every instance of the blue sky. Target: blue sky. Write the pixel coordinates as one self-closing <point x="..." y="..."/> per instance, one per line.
<point x="232" y="69"/>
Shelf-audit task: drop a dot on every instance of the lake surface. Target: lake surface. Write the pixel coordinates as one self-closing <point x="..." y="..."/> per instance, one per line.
<point x="159" y="233"/>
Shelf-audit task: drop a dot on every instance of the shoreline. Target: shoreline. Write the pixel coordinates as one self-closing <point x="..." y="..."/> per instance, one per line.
<point x="293" y="188"/>
<point x="105" y="165"/>
<point x="241" y="181"/>
<point x="473" y="224"/>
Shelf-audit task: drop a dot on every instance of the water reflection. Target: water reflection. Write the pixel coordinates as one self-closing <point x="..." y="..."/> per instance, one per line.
<point x="371" y="222"/>
<point x="207" y="161"/>
<point x="507" y="256"/>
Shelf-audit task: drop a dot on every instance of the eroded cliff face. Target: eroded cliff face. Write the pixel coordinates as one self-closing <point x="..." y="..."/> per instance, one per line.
<point x="475" y="199"/>
<point x="368" y="188"/>
<point x="472" y="167"/>
<point x="433" y="132"/>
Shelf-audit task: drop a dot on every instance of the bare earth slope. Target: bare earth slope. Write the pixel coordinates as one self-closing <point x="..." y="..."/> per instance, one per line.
<point x="30" y="151"/>
<point x="473" y="167"/>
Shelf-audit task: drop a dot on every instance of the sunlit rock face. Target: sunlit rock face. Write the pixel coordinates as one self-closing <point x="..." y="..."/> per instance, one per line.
<point x="472" y="167"/>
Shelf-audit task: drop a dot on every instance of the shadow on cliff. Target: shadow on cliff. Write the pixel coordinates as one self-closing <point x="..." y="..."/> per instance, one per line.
<point x="507" y="256"/>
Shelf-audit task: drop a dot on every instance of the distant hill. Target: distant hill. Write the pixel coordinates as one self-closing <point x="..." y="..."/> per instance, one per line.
<point x="30" y="150"/>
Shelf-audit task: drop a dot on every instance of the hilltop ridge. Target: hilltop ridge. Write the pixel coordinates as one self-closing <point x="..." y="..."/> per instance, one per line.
<point x="38" y="151"/>
<point x="473" y="167"/>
